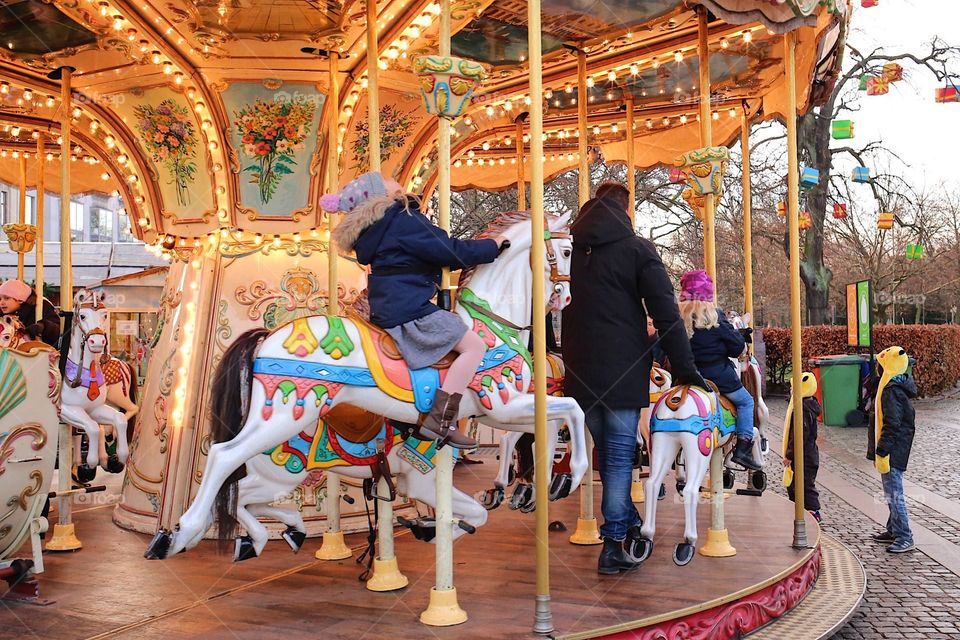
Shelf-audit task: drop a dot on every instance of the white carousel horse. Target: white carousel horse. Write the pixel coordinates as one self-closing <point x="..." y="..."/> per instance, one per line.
<point x="314" y="364"/>
<point x="84" y="394"/>
<point x="688" y="419"/>
<point x="272" y="476"/>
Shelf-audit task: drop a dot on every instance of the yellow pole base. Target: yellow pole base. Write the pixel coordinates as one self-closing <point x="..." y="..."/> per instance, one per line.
<point x="387" y="576"/>
<point x="443" y="610"/>
<point x="717" y="545"/>
<point x="333" y="547"/>
<point x="64" y="538"/>
<point x="587" y="532"/>
<point x="636" y="492"/>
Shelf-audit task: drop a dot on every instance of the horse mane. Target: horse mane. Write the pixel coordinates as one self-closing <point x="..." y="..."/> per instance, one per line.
<point x="497" y="226"/>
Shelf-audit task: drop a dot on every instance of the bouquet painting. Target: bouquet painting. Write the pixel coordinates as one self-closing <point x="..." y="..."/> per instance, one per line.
<point x="395" y="126"/>
<point x="271" y="132"/>
<point x="168" y="133"/>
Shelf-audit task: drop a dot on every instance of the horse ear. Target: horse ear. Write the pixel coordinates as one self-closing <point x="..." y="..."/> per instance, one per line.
<point x="746" y="318"/>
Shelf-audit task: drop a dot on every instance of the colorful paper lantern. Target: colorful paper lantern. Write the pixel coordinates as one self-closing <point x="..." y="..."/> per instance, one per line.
<point x="877" y="86"/>
<point x="703" y="169"/>
<point x="806" y="221"/>
<point x="447" y="83"/>
<point x="809" y="177"/>
<point x="866" y="4"/>
<point x="947" y="94"/>
<point x="839" y="211"/>
<point x="861" y="174"/>
<point x="842" y="129"/>
<point x="676" y="175"/>
<point x="782" y="209"/>
<point x="914" y="252"/>
<point x="865" y="81"/>
<point x="885" y="221"/>
<point x="892" y="72"/>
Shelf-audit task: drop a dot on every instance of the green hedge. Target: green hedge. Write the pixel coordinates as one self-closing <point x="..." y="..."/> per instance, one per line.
<point x="935" y="347"/>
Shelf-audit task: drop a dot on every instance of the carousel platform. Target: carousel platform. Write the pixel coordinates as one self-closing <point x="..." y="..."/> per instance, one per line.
<point x="107" y="590"/>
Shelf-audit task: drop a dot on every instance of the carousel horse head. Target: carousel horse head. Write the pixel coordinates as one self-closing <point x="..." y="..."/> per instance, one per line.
<point x="90" y="319"/>
<point x="12" y="332"/>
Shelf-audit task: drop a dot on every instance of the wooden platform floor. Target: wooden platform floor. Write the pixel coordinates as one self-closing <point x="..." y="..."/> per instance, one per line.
<point x="107" y="590"/>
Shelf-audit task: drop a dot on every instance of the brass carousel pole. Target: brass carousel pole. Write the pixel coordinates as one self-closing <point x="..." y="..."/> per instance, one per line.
<point x="543" y="617"/>
<point x="631" y="160"/>
<point x="747" y="221"/>
<point x="386" y="572"/>
<point x="444" y="609"/>
<point x="793" y="222"/>
<point x="23" y="211"/>
<point x="521" y="181"/>
<point x="718" y="541"/>
<point x="333" y="547"/>
<point x="41" y="188"/>
<point x="587" y="530"/>
<point x="64" y="538"/>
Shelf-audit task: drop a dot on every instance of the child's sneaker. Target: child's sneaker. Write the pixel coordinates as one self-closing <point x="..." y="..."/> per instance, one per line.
<point x="816" y="516"/>
<point x="884" y="536"/>
<point x="901" y="547"/>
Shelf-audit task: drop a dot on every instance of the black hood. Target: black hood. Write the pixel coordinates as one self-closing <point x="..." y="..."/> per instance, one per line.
<point x="601" y="221"/>
<point x="906" y="383"/>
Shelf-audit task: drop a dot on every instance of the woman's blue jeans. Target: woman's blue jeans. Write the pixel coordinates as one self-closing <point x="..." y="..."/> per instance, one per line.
<point x="614" y="434"/>
<point x="744" y="403"/>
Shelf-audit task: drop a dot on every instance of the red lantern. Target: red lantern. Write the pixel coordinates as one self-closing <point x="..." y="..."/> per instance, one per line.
<point x="839" y="211"/>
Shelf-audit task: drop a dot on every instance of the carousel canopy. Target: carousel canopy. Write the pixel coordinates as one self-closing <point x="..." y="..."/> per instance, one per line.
<point x="207" y="114"/>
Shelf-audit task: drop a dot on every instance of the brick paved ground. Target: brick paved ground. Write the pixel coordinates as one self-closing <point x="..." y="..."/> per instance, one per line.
<point x="910" y="595"/>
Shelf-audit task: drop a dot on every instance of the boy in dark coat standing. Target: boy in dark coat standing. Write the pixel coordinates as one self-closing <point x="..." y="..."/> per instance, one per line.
<point x="607" y="353"/>
<point x="895" y="427"/>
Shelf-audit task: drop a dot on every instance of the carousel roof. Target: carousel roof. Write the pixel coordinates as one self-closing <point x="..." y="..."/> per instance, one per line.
<point x="206" y="114"/>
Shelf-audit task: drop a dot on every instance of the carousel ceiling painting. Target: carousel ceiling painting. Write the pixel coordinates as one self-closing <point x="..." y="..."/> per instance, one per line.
<point x="38" y="28"/>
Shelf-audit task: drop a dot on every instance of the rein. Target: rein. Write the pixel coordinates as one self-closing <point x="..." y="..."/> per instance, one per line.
<point x="84" y="335"/>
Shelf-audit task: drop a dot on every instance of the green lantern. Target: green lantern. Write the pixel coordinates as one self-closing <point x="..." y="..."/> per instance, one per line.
<point x="914" y="251"/>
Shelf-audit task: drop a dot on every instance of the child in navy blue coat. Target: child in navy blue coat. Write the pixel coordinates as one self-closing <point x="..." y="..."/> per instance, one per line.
<point x="714" y="342"/>
<point x="406" y="253"/>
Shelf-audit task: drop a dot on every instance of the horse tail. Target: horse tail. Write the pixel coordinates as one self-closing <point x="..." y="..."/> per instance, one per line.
<point x="230" y="397"/>
<point x="132" y="392"/>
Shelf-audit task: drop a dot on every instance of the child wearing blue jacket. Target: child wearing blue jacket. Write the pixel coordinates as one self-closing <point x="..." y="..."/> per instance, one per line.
<point x="714" y="342"/>
<point x="406" y="253"/>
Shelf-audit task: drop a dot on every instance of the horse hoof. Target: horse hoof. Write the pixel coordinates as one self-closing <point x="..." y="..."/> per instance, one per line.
<point x="492" y="498"/>
<point x="683" y="553"/>
<point x="758" y="480"/>
<point x="86" y="473"/>
<point x="114" y="465"/>
<point x="681" y="485"/>
<point x="560" y="486"/>
<point x="159" y="546"/>
<point x="663" y="492"/>
<point x="522" y="496"/>
<point x="294" y="538"/>
<point x="529" y="507"/>
<point x="244" y="549"/>
<point x="639" y="549"/>
<point x="729" y="478"/>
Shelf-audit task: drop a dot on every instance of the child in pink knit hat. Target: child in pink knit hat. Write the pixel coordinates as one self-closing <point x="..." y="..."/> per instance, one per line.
<point x="19" y="299"/>
<point x="714" y="342"/>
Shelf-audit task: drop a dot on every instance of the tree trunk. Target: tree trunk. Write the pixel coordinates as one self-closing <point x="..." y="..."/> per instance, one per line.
<point x="813" y="133"/>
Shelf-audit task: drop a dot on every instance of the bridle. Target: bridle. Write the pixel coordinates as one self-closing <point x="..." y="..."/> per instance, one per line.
<point x="84" y="336"/>
<point x="555" y="276"/>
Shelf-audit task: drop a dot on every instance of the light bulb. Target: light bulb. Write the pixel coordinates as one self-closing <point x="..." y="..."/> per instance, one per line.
<point x="634" y="69"/>
<point x="747" y="36"/>
<point x="678" y="56"/>
<point x="590" y="82"/>
<point x="612" y="75"/>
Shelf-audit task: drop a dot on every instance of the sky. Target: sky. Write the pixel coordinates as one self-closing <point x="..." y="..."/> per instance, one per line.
<point x="925" y="134"/>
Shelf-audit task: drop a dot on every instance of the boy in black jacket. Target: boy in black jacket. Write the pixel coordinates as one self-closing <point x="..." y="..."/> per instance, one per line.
<point x="894" y="432"/>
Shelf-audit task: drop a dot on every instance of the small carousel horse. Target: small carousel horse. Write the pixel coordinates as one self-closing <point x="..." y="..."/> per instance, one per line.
<point x="13" y="335"/>
<point x="302" y="370"/>
<point x="84" y="394"/>
<point x="688" y="419"/>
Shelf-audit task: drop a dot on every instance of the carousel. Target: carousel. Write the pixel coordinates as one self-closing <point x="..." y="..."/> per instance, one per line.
<point x="269" y="417"/>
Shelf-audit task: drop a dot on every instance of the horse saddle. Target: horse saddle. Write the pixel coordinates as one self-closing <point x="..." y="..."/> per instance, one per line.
<point x="678" y="395"/>
<point x="353" y="423"/>
<point x="387" y="346"/>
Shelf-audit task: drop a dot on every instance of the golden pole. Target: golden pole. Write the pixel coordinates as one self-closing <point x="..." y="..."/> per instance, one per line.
<point x="631" y="161"/>
<point x="41" y="189"/>
<point x="23" y="210"/>
<point x="587" y="532"/>
<point x="543" y="617"/>
<point x="793" y="222"/>
<point x="747" y="222"/>
<point x="706" y="139"/>
<point x="444" y="610"/>
<point x="66" y="248"/>
<point x="718" y="540"/>
<point x="373" y="87"/>
<point x="333" y="546"/>
<point x="521" y="182"/>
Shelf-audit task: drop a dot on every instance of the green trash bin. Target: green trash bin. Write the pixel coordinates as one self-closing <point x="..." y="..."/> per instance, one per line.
<point x="838" y="379"/>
